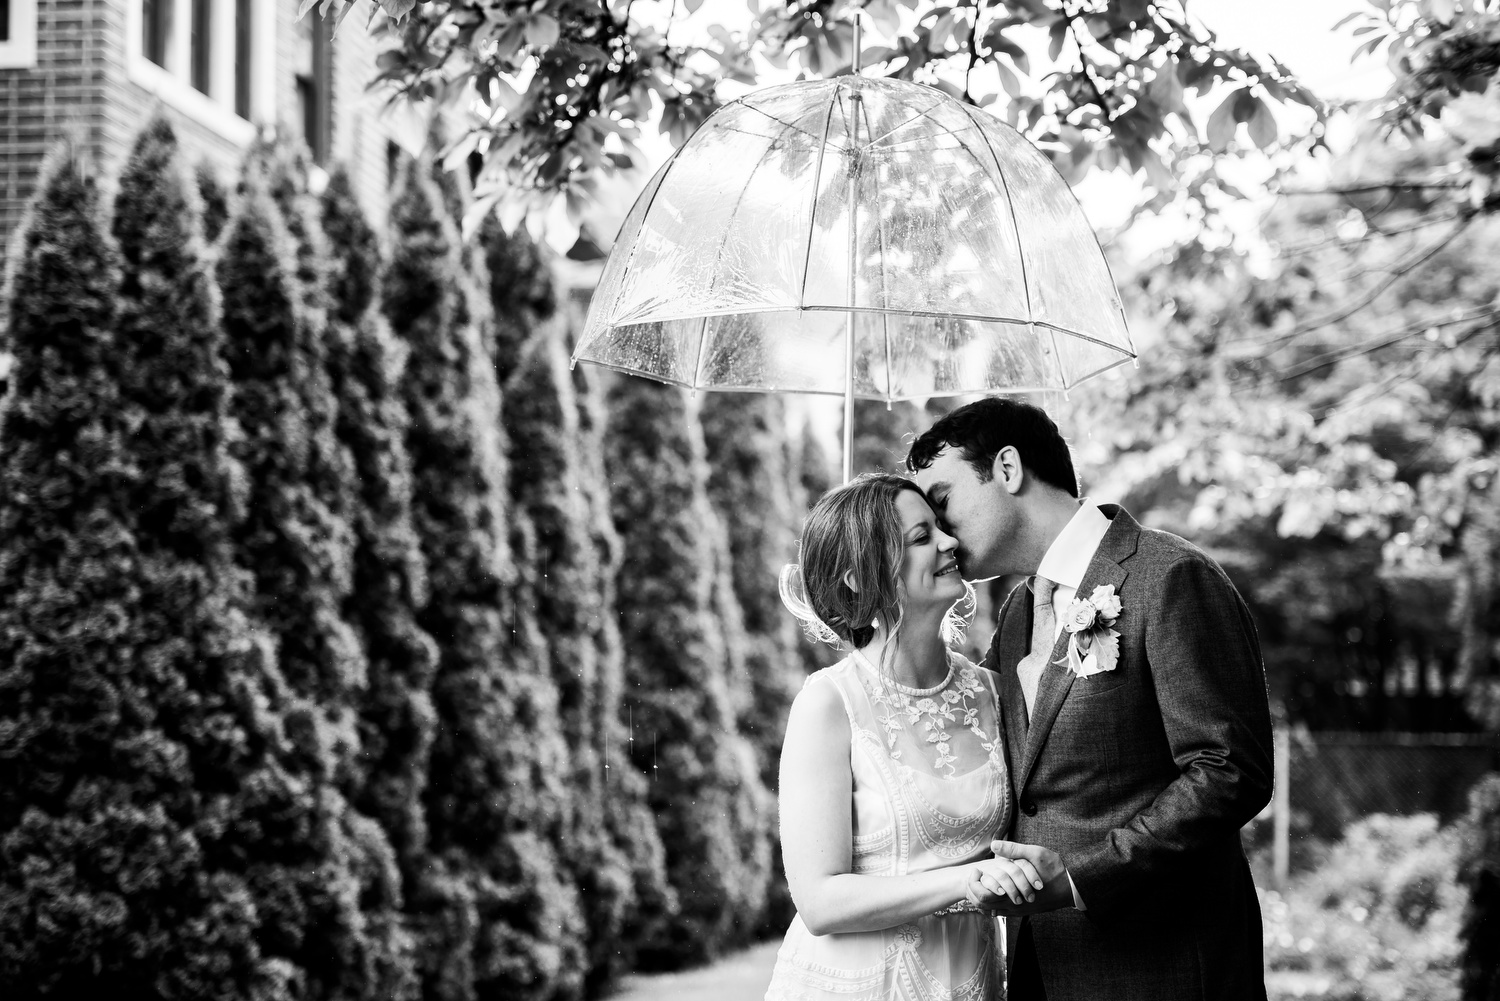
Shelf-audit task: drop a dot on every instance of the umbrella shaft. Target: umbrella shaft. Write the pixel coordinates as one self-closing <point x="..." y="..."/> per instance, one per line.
<point x="854" y="102"/>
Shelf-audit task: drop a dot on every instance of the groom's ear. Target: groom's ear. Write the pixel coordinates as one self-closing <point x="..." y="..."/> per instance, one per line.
<point x="1008" y="470"/>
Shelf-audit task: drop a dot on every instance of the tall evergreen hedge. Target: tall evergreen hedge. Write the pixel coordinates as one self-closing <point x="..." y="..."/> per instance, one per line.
<point x="610" y="831"/>
<point x="750" y="488"/>
<point x="335" y="905"/>
<point x="625" y="787"/>
<point x="397" y="721"/>
<point x="134" y="734"/>
<point x="705" y="788"/>
<point x="1479" y="869"/>
<point x="499" y="917"/>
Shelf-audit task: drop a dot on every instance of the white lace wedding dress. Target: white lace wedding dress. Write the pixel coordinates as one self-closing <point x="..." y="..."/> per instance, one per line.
<point x="930" y="791"/>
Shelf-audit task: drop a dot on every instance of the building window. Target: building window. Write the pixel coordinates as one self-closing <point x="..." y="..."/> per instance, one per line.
<point x="314" y="84"/>
<point x="156" y="30"/>
<point x="242" y="35"/>
<point x="17" y="34"/>
<point x="200" y="45"/>
<point x="206" y="58"/>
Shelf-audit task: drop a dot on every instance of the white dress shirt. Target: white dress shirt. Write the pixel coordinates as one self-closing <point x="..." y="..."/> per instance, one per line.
<point x="1069" y="556"/>
<point x="1065" y="563"/>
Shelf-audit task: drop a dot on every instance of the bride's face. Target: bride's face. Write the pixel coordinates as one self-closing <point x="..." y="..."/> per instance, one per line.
<point x="929" y="570"/>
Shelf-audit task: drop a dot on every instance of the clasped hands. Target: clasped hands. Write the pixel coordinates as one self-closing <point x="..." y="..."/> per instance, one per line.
<point x="1020" y="879"/>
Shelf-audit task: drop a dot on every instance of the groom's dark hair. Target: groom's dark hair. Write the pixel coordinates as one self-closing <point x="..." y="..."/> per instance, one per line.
<point x="979" y="430"/>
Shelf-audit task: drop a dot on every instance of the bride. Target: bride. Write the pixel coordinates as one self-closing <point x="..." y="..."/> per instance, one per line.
<point x="893" y="777"/>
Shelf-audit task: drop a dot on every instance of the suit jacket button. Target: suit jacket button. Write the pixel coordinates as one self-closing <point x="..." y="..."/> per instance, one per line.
<point x="1028" y="807"/>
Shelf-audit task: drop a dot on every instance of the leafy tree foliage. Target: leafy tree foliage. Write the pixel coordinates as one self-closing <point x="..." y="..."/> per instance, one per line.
<point x="705" y="788"/>
<point x="135" y="739"/>
<point x="498" y="916"/>
<point x="1329" y="422"/>
<point x="397" y="720"/>
<point x="882" y="435"/>
<point x="569" y="82"/>
<point x="334" y="907"/>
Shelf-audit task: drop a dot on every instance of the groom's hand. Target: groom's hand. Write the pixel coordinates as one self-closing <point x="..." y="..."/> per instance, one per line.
<point x="1056" y="891"/>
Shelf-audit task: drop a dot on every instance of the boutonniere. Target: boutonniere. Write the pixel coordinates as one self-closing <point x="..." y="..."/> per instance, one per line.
<point x="1093" y="640"/>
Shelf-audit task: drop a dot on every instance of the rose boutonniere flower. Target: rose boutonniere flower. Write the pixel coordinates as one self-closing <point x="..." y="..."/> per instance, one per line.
<point x="1093" y="640"/>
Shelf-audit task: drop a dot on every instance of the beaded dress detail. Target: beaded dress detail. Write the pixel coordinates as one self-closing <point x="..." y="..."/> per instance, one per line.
<point x="930" y="791"/>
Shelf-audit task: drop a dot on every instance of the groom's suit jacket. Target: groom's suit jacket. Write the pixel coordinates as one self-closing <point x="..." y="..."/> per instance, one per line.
<point x="1141" y="777"/>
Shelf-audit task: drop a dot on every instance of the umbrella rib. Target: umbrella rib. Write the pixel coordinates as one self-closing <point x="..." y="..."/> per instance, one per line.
<point x="959" y="391"/>
<point x="898" y="143"/>
<point x="1010" y="206"/>
<point x="885" y="290"/>
<point x="665" y="170"/>
<point x="817" y="181"/>
<point x="713" y="271"/>
<point x="778" y="121"/>
<point x="910" y="121"/>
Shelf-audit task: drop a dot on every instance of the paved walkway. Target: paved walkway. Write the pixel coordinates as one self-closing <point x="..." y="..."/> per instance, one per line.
<point x="743" y="976"/>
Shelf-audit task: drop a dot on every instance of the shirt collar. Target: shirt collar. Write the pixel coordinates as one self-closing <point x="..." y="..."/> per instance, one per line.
<point x="1070" y="554"/>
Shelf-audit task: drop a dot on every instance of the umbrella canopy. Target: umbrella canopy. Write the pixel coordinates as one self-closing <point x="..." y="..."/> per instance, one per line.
<point x="858" y="227"/>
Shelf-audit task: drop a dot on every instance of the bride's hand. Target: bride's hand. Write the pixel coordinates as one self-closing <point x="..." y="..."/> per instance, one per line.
<point x="1005" y="877"/>
<point x="1047" y="864"/>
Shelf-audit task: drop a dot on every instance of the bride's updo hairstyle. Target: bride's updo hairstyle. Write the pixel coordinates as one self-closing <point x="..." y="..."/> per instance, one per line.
<point x="854" y="532"/>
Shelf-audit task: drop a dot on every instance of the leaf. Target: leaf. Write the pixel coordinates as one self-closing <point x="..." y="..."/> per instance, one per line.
<point x="305" y="6"/>
<point x="999" y="42"/>
<point x="1057" y="34"/>
<point x="692" y="5"/>
<point x="1008" y="80"/>
<point x="1222" y="123"/>
<point x="542" y="31"/>
<point x="1262" y="125"/>
<point x="942" y="30"/>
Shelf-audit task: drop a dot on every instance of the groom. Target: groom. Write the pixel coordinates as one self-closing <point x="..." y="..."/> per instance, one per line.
<point x="1137" y="771"/>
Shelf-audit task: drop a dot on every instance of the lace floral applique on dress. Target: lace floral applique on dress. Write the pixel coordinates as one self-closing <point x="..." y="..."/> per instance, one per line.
<point x="930" y="791"/>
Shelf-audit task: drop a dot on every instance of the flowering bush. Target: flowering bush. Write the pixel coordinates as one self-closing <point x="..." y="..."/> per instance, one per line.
<point x="1377" y="920"/>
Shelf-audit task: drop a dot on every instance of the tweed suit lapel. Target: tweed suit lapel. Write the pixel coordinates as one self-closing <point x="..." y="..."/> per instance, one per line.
<point x="1010" y="644"/>
<point x="1118" y="545"/>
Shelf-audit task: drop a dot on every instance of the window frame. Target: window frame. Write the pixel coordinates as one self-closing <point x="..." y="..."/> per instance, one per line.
<point x="173" y="83"/>
<point x="19" y="50"/>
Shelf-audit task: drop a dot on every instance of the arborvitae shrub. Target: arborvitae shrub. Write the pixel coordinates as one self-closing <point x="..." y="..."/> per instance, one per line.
<point x="132" y="710"/>
<point x="705" y="788"/>
<point x="625" y="801"/>
<point x="390" y="578"/>
<point x="1479" y="867"/>
<point x="498" y="916"/>
<point x="609" y="829"/>
<point x="215" y="201"/>
<point x="337" y="908"/>
<point x="750" y="488"/>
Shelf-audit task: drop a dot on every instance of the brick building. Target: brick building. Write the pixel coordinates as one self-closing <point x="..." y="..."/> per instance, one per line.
<point x="97" y="69"/>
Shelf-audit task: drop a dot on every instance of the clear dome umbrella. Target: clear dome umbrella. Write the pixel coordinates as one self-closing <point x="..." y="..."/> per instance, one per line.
<point x="861" y="238"/>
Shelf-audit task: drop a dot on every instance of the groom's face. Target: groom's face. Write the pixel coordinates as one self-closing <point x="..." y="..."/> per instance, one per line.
<point x="983" y="516"/>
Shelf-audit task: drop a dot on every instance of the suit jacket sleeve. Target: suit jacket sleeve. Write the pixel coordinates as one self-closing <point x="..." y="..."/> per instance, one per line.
<point x="1204" y="660"/>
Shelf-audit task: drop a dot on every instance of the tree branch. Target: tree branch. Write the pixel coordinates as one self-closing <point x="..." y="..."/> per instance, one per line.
<point x="1087" y="66"/>
<point x="1396" y="273"/>
<point x="1331" y="358"/>
<point x="1395" y="184"/>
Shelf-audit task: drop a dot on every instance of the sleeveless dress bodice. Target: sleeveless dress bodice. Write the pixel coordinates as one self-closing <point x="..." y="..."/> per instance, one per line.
<point x="930" y="790"/>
